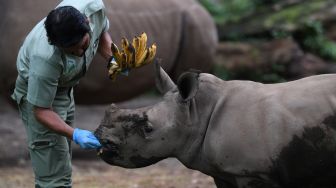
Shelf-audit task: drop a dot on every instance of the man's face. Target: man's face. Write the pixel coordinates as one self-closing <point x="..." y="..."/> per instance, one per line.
<point x="79" y="48"/>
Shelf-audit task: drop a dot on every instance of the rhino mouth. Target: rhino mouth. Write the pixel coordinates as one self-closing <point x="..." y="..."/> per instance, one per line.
<point x="108" y="147"/>
<point x="109" y="152"/>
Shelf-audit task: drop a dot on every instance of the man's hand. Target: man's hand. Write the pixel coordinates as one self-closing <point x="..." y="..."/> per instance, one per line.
<point x="132" y="55"/>
<point x="85" y="139"/>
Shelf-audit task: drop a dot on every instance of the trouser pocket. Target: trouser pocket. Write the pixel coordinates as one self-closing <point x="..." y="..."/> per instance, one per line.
<point x="51" y="161"/>
<point x="50" y="156"/>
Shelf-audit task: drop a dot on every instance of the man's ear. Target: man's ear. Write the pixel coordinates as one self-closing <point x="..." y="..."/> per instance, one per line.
<point x="187" y="85"/>
<point x="162" y="80"/>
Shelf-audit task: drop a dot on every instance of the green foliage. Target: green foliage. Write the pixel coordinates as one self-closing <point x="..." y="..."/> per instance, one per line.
<point x="215" y="9"/>
<point x="223" y="73"/>
<point x="229" y="10"/>
<point x="322" y="46"/>
<point x="292" y="20"/>
<point x="313" y="39"/>
<point x="280" y="34"/>
<point x="291" y="17"/>
<point x="273" y="74"/>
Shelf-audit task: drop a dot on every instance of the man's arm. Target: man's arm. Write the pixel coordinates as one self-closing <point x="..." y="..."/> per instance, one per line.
<point x="51" y="120"/>
<point x="104" y="47"/>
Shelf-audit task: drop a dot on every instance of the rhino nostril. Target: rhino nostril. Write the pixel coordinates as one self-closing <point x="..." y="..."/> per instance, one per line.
<point x="98" y="133"/>
<point x="104" y="141"/>
<point x="107" y="142"/>
<point x="108" y="145"/>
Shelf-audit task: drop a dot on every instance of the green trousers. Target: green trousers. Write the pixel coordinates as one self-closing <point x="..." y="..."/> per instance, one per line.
<point x="50" y="153"/>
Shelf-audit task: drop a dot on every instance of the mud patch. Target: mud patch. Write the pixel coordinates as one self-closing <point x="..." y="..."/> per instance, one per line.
<point x="135" y="124"/>
<point x="135" y="118"/>
<point x="308" y="161"/>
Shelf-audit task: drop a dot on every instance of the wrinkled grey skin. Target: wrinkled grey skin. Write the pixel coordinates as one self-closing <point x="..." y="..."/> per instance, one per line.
<point x="242" y="133"/>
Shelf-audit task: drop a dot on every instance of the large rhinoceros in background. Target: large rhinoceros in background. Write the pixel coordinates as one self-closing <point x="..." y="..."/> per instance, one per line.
<point x="184" y="32"/>
<point x="242" y="133"/>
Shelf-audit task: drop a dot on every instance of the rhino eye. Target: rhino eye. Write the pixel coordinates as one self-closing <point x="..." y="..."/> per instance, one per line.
<point x="148" y="129"/>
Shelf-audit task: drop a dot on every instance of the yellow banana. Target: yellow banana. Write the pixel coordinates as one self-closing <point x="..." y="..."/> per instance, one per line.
<point x="131" y="55"/>
<point x="116" y="53"/>
<point x="152" y="53"/>
<point x="142" y="46"/>
<point x="124" y="43"/>
<point x="136" y="43"/>
<point x="141" y="59"/>
<point x="123" y="64"/>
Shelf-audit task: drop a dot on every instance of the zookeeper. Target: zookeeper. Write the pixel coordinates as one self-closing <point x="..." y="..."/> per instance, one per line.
<point x="51" y="61"/>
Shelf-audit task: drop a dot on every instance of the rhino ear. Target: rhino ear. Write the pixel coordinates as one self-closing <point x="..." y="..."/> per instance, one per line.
<point x="162" y="80"/>
<point x="187" y="85"/>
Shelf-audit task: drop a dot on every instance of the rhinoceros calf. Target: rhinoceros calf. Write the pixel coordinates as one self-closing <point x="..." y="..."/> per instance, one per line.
<point x="242" y="133"/>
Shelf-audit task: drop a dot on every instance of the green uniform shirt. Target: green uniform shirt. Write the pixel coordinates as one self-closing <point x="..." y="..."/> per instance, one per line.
<point x="46" y="72"/>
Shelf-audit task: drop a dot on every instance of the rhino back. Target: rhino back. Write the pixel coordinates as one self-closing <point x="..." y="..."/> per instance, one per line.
<point x="258" y="129"/>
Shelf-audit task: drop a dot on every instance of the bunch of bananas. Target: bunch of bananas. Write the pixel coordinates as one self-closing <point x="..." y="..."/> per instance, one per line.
<point x="132" y="55"/>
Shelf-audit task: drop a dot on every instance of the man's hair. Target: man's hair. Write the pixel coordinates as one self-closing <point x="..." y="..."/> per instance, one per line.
<point x="66" y="26"/>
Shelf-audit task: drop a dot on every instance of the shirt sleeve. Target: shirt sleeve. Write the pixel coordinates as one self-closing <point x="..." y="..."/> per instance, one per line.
<point x="43" y="81"/>
<point x="107" y="23"/>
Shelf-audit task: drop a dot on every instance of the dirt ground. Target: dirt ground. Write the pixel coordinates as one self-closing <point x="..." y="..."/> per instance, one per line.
<point x="96" y="174"/>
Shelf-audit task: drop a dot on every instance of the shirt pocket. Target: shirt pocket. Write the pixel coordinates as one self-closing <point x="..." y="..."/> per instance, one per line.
<point x="71" y="71"/>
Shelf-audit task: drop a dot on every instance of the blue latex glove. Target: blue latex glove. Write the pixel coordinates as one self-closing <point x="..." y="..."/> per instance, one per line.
<point x="85" y="139"/>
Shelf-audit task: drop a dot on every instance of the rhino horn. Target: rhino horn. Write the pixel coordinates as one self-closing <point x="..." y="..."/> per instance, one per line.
<point x="162" y="80"/>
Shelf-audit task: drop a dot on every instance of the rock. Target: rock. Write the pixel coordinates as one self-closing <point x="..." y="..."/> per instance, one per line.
<point x="253" y="56"/>
<point x="279" y="59"/>
<point x="309" y="65"/>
